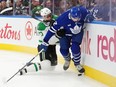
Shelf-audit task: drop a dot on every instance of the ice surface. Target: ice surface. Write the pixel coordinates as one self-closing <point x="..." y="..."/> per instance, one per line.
<point x="11" y="62"/>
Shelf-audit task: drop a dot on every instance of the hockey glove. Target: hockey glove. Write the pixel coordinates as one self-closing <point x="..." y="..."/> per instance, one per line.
<point x="44" y="46"/>
<point x="60" y="33"/>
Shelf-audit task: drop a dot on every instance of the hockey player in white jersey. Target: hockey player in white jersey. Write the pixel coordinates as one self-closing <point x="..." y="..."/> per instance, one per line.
<point x="48" y="58"/>
<point x="72" y="21"/>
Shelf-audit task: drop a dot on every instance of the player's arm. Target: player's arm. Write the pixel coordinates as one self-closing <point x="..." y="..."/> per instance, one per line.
<point x="41" y="26"/>
<point x="52" y="31"/>
<point x="41" y="31"/>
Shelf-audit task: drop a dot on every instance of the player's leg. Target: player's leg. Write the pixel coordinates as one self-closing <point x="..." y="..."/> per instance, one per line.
<point x="76" y="53"/>
<point x="34" y="67"/>
<point x="31" y="67"/>
<point x="77" y="56"/>
<point x="43" y="65"/>
<point x="52" y="53"/>
<point x="42" y="55"/>
<point x="64" y="49"/>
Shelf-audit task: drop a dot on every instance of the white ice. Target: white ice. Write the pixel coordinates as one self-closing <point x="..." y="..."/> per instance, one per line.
<point x="11" y="62"/>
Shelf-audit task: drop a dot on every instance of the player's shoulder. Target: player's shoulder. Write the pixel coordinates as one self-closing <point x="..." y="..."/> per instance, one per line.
<point x="41" y="26"/>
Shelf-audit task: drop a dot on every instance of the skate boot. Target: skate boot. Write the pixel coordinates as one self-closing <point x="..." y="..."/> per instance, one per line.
<point x="31" y="67"/>
<point x="80" y="69"/>
<point x="53" y="62"/>
<point x="66" y="64"/>
<point x="23" y="71"/>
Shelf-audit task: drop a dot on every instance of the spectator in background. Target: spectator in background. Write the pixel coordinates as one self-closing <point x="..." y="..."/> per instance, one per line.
<point x="0" y="6"/>
<point x="90" y="4"/>
<point x="81" y="2"/>
<point x="48" y="4"/>
<point x="5" y="10"/>
<point x="19" y="9"/>
<point x="64" y="5"/>
<point x="22" y="7"/>
<point x="101" y="10"/>
<point x="19" y="6"/>
<point x="73" y="2"/>
<point x="9" y="3"/>
<point x="57" y="7"/>
<point x="36" y="11"/>
<point x="3" y="4"/>
<point x="113" y="11"/>
<point x="36" y="3"/>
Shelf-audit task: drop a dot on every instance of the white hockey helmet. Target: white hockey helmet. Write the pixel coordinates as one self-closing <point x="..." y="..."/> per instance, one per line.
<point x="45" y="12"/>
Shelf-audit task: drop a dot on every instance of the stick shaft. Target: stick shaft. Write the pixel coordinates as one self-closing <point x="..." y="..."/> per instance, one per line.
<point x="23" y="66"/>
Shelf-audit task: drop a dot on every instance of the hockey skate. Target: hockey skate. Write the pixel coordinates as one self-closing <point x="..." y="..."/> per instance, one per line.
<point x="66" y="64"/>
<point x="31" y="67"/>
<point x="23" y="71"/>
<point x="54" y="62"/>
<point x="80" y="69"/>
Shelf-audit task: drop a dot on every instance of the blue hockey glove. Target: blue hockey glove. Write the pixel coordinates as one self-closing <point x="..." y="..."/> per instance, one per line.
<point x="44" y="46"/>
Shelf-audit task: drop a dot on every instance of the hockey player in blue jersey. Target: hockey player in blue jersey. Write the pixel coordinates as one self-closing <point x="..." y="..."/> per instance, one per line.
<point x="72" y="22"/>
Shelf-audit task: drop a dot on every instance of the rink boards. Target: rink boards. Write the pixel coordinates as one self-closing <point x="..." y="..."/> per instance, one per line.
<point x="98" y="46"/>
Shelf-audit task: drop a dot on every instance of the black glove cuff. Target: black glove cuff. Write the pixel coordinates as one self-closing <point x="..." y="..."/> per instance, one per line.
<point x="60" y="33"/>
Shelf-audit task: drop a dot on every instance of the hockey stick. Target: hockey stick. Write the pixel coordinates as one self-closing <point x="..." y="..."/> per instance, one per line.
<point x="23" y="67"/>
<point x="39" y="20"/>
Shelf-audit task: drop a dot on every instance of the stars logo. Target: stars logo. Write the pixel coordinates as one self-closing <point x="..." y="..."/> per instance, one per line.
<point x="29" y="30"/>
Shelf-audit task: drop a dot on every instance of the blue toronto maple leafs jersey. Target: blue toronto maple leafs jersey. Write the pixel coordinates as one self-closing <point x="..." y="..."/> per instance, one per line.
<point x="101" y="12"/>
<point x="65" y="22"/>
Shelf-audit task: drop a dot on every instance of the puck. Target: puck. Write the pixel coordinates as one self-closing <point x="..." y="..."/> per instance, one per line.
<point x="79" y="74"/>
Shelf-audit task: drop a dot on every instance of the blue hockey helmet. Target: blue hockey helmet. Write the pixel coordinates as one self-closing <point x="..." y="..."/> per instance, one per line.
<point x="75" y="12"/>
